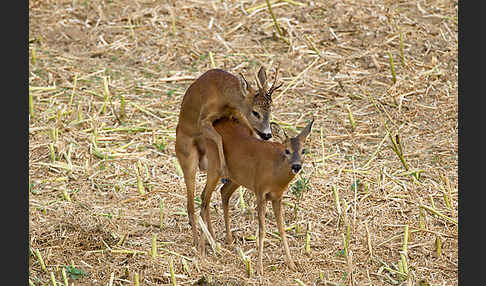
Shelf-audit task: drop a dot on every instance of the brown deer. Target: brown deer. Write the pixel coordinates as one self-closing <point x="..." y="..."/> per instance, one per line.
<point x="218" y="94"/>
<point x="264" y="167"/>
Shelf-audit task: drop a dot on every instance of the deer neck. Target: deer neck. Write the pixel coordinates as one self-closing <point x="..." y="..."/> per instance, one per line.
<point x="244" y="107"/>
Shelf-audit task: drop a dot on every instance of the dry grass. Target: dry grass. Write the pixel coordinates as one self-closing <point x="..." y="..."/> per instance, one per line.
<point x="106" y="79"/>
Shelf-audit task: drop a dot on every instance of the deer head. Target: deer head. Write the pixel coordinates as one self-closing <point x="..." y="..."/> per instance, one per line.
<point x="260" y="103"/>
<point x="294" y="148"/>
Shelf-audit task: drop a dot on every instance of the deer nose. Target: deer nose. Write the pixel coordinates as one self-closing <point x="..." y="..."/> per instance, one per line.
<point x="296" y="168"/>
<point x="266" y="136"/>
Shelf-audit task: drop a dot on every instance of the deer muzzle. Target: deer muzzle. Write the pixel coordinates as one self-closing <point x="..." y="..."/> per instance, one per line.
<point x="296" y="168"/>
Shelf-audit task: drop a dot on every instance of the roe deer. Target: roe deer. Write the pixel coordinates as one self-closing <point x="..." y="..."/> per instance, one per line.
<point x="217" y="94"/>
<point x="264" y="167"/>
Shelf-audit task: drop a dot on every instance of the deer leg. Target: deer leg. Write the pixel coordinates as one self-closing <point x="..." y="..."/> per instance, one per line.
<point x="187" y="156"/>
<point x="210" y="133"/>
<point x="211" y="183"/>
<point x="226" y="191"/>
<point x="277" y="210"/>
<point x="203" y="158"/>
<point x="261" y="206"/>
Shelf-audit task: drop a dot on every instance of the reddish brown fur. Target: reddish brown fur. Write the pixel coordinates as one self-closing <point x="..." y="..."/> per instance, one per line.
<point x="238" y="143"/>
<point x="260" y="166"/>
<point x="215" y="94"/>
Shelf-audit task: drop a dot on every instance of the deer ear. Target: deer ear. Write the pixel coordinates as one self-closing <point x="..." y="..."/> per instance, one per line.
<point x="243" y="83"/>
<point x="278" y="132"/>
<point x="305" y="132"/>
<point x="262" y="78"/>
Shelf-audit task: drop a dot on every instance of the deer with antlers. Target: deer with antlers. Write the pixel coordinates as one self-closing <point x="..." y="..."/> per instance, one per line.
<point x="214" y="95"/>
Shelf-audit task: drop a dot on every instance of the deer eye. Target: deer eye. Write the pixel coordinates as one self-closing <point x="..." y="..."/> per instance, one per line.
<point x="256" y="114"/>
<point x="287" y="151"/>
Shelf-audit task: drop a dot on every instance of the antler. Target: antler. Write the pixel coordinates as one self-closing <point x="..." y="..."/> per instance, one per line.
<point x="273" y="87"/>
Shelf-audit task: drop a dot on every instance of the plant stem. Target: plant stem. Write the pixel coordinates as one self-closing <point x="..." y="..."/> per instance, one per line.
<point x="392" y="68"/>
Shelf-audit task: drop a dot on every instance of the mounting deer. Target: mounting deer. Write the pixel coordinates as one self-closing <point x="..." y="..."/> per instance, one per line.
<point x="264" y="167"/>
<point x="214" y="95"/>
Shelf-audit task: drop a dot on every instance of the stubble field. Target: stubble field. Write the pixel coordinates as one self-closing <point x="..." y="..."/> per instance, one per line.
<point x="106" y="79"/>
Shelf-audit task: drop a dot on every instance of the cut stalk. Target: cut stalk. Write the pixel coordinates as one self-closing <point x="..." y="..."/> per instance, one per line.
<point x="34" y="55"/>
<point x="392" y="68"/>
<point x="251" y="9"/>
<point x="277" y="27"/>
<point x="42" y="88"/>
<point x="336" y="200"/>
<point x="299" y="282"/>
<point x="311" y="44"/>
<point x="112" y="278"/>
<point x="421" y="218"/>
<point x="130" y="25"/>
<point x="405" y="239"/>
<point x="120" y="242"/>
<point x="213" y="65"/>
<point x="397" y="148"/>
<point x="55" y="134"/>
<point x="31" y="105"/>
<point x="53" y="279"/>
<point x="436" y="212"/>
<point x="348" y="237"/>
<point x="52" y="152"/>
<point x="185" y="267"/>
<point x="242" y="200"/>
<point x="41" y="261"/>
<point x="275" y="23"/>
<point x="176" y="254"/>
<point x="107" y="94"/>
<point x="65" y="194"/>
<point x="177" y="167"/>
<point x="173" y="20"/>
<point x="307" y="239"/>
<point x="432" y="204"/>
<point x="447" y="200"/>
<point x="80" y="113"/>
<point x="172" y="274"/>
<point x="246" y="261"/>
<point x="128" y="251"/>
<point x="137" y="282"/>
<point x="295" y="3"/>
<point x="59" y="115"/>
<point x="141" y="188"/>
<point x="447" y="194"/>
<point x="404" y="252"/>
<point x="438" y="246"/>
